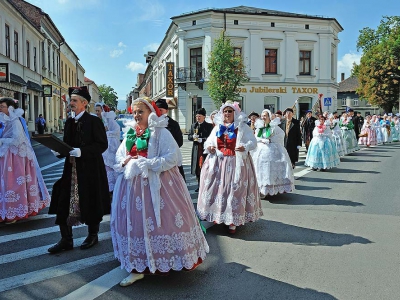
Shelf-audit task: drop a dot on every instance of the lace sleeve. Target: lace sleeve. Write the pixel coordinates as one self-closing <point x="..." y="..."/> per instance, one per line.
<point x="248" y="140"/>
<point x="168" y="153"/>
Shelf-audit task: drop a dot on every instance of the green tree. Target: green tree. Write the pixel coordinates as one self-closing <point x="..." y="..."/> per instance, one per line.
<point x="227" y="71"/>
<point x="379" y="70"/>
<point x="109" y="95"/>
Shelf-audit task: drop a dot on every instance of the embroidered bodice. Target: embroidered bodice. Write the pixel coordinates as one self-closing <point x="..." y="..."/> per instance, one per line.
<point x="227" y="145"/>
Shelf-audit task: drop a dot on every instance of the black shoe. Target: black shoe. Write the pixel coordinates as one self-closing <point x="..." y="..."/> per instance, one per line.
<point x="62" y="245"/>
<point x="90" y="241"/>
<point x="196" y="190"/>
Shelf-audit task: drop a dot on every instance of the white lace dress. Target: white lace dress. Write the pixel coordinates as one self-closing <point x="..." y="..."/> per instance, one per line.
<point x="228" y="191"/>
<point x="23" y="192"/>
<point x="272" y="163"/>
<point x="154" y="227"/>
<point x="113" y="138"/>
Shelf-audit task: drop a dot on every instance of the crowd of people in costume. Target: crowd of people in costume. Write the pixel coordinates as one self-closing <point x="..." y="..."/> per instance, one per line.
<point x="238" y="159"/>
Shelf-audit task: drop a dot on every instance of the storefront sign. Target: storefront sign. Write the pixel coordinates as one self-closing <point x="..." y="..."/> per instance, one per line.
<point x="4" y="72"/>
<point x="47" y="90"/>
<point x="170" y="79"/>
<point x="279" y="90"/>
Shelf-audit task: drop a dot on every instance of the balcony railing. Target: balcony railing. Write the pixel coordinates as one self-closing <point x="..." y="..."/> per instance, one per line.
<point x="191" y="74"/>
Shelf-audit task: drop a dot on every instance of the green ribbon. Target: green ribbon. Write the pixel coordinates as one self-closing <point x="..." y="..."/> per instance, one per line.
<point x="133" y="139"/>
<point x="267" y="132"/>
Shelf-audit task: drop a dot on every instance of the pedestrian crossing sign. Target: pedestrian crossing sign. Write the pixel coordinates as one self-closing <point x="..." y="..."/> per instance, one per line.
<point x="328" y="101"/>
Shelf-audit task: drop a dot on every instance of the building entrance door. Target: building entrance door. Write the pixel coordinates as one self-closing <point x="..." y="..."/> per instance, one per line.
<point x="196" y="104"/>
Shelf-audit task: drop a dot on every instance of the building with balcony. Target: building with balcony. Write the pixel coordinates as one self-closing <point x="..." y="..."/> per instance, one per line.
<point x="348" y="97"/>
<point x="290" y="58"/>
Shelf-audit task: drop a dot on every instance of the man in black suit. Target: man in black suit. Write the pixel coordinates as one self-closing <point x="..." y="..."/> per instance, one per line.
<point x="292" y="141"/>
<point x="308" y="127"/>
<point x="173" y="127"/>
<point x="198" y="134"/>
<point x="358" y="124"/>
<point x="81" y="195"/>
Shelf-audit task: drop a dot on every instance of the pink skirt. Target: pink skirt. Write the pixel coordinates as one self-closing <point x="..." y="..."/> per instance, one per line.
<point x="369" y="140"/>
<point x="23" y="192"/>
<point x="138" y="243"/>
<point x="223" y="201"/>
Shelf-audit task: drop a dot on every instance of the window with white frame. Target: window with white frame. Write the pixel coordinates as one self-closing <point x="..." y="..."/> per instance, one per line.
<point x="305" y="63"/>
<point x="271" y="61"/>
<point x="355" y="101"/>
<point x="271" y="103"/>
<point x="344" y="102"/>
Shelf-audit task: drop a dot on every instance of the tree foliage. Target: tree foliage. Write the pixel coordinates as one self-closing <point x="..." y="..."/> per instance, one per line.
<point x="379" y="70"/>
<point x="109" y="95"/>
<point x="227" y="71"/>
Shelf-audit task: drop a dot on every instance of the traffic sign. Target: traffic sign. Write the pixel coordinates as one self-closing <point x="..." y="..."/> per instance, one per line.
<point x="328" y="101"/>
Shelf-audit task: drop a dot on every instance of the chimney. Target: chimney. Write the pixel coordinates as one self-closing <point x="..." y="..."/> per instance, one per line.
<point x="341" y="76"/>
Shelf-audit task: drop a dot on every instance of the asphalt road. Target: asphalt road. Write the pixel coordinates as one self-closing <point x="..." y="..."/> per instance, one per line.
<point x="335" y="237"/>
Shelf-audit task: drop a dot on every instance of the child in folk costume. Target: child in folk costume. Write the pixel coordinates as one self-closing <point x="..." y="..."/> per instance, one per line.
<point x="154" y="227"/>
<point x="322" y="153"/>
<point x="271" y="161"/>
<point x="368" y="133"/>
<point x="228" y="186"/>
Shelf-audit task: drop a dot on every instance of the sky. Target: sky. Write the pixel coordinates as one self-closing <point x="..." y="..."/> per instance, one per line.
<point x="110" y="37"/>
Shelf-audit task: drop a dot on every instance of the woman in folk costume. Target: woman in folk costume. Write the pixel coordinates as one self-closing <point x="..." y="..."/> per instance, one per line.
<point x="378" y="130"/>
<point x="385" y="128"/>
<point x="228" y="186"/>
<point x="113" y="135"/>
<point x="368" y="133"/>
<point x="348" y="134"/>
<point x="271" y="161"/>
<point x="392" y="128"/>
<point x="396" y="131"/>
<point x="322" y="153"/>
<point x="23" y="192"/>
<point x="337" y="136"/>
<point x="154" y="227"/>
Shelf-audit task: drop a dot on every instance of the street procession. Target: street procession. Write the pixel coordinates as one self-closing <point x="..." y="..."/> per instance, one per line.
<point x="242" y="164"/>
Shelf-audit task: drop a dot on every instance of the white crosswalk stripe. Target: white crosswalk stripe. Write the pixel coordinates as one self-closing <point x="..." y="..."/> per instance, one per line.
<point x="39" y="228"/>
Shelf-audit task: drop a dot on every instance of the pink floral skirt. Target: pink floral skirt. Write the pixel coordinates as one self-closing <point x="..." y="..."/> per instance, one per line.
<point x="223" y="201"/>
<point x="23" y="192"/>
<point x="179" y="244"/>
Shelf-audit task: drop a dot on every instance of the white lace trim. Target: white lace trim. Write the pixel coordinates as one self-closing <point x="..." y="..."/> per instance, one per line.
<point x="127" y="251"/>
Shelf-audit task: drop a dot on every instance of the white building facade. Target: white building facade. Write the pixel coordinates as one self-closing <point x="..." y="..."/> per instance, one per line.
<point x="290" y="59"/>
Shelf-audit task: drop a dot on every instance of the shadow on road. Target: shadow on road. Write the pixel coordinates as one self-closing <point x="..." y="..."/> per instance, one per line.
<point x="278" y="232"/>
<point x="352" y="171"/>
<point x="293" y="199"/>
<point x="329" y="180"/>
<point x="344" y="159"/>
<point x="311" y="188"/>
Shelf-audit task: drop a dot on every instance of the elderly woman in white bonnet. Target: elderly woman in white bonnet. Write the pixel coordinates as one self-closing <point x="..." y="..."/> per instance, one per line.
<point x="228" y="190"/>
<point x="154" y="227"/>
<point x="272" y="163"/>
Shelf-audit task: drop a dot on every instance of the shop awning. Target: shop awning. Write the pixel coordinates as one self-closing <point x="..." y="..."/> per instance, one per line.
<point x="16" y="79"/>
<point x="34" y="86"/>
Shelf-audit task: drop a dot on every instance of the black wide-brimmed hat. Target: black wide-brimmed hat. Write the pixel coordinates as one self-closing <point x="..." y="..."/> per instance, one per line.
<point x="80" y="91"/>
<point x="201" y="111"/>
<point x="162" y="103"/>
<point x="253" y="113"/>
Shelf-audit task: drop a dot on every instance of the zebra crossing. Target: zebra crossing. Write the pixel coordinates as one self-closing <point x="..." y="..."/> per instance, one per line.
<point x="29" y="272"/>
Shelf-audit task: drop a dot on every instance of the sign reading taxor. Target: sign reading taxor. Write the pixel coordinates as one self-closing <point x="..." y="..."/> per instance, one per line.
<point x="304" y="90"/>
<point x="170" y="79"/>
